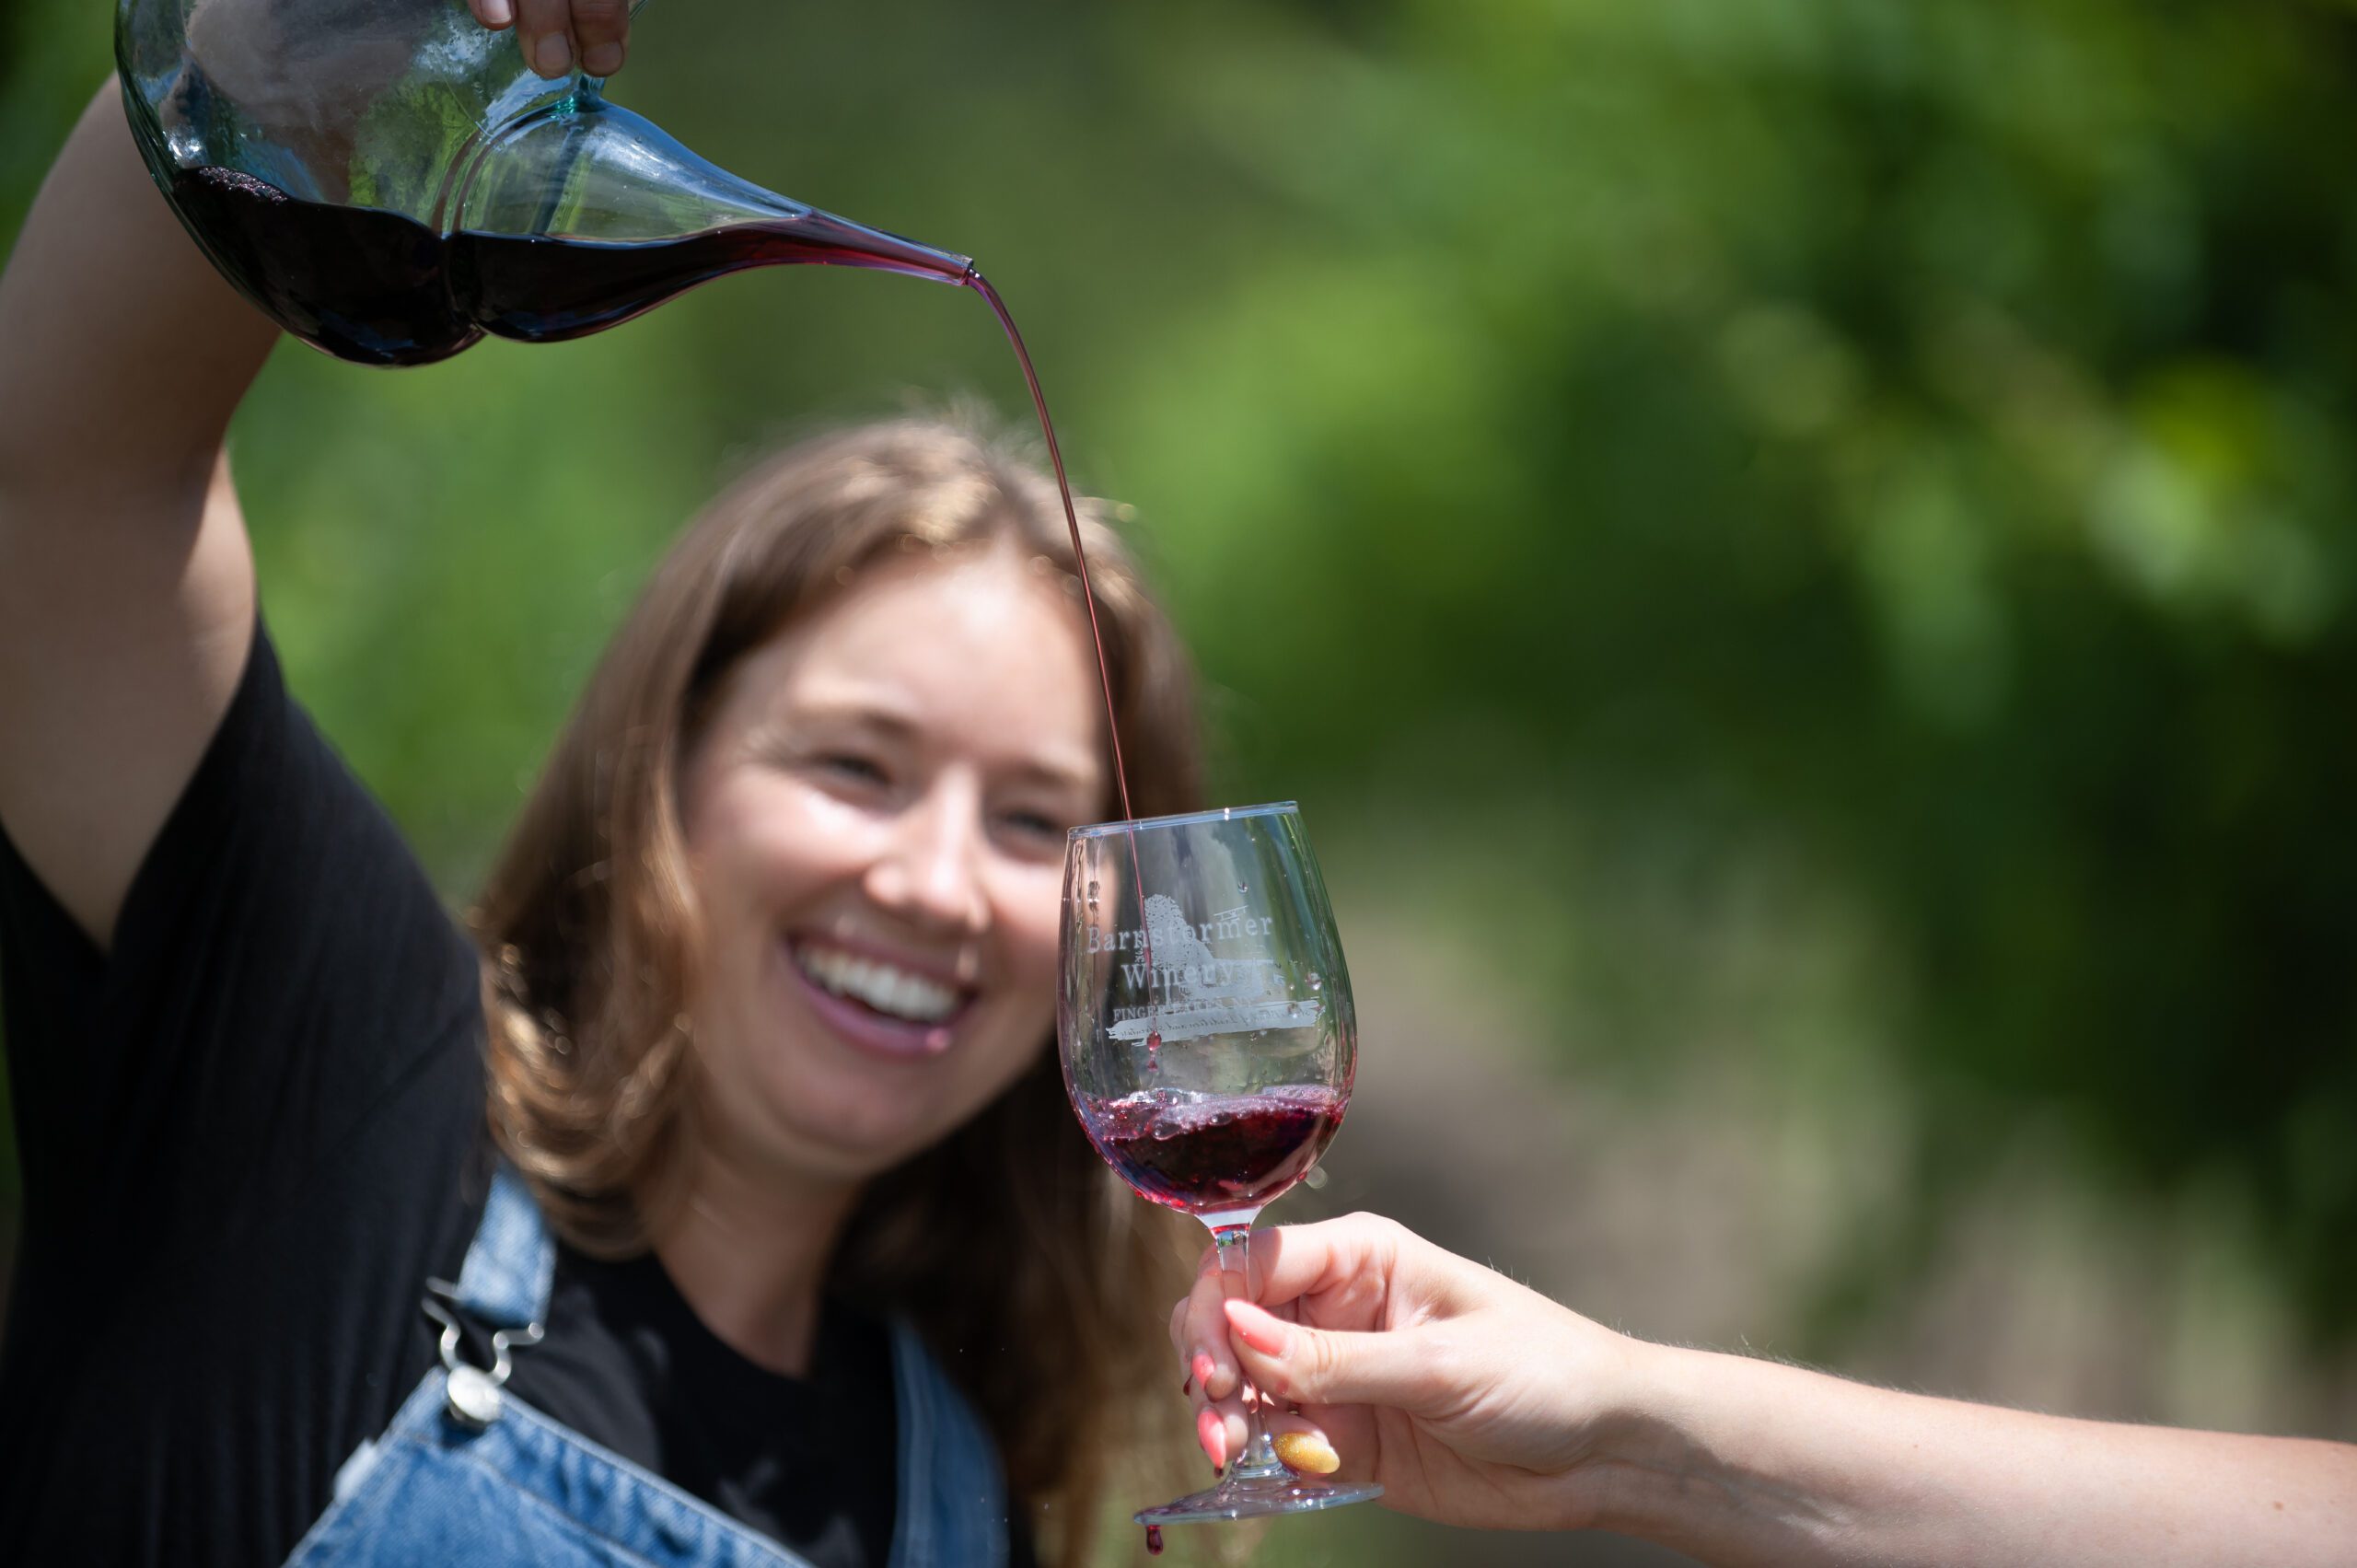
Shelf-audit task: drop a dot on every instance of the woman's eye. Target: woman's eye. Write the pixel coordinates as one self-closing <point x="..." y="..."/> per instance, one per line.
<point x="849" y="765"/>
<point x="1033" y="824"/>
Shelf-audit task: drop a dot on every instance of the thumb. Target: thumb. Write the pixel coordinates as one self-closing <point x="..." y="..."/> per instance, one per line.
<point x="1325" y="1366"/>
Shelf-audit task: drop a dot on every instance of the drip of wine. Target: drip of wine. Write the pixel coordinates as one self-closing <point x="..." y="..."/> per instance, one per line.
<point x="1215" y="1154"/>
<point x="379" y="288"/>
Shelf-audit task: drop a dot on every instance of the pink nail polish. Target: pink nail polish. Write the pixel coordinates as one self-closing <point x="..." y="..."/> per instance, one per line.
<point x="1255" y="1328"/>
<point x="1202" y="1369"/>
<point x="1214" y="1434"/>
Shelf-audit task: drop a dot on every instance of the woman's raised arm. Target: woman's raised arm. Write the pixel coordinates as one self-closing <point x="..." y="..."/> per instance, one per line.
<point x="126" y="586"/>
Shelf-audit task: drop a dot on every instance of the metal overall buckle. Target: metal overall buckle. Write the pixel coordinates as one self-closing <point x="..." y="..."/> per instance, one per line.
<point x="470" y="1394"/>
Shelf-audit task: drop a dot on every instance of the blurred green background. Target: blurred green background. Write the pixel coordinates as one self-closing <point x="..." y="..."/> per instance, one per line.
<point x="1798" y="554"/>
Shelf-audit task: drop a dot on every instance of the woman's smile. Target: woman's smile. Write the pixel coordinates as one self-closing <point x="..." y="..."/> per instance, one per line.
<point x="879" y="1001"/>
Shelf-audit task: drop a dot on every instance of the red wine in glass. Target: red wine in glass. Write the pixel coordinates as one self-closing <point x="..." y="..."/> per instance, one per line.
<point x="1209" y="1045"/>
<point x="1214" y="1153"/>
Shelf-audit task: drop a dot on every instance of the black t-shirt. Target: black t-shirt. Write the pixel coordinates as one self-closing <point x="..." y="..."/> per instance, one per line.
<point x="249" y="1135"/>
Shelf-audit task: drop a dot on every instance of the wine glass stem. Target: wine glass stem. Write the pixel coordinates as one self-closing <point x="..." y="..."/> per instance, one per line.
<point x="1259" y="1459"/>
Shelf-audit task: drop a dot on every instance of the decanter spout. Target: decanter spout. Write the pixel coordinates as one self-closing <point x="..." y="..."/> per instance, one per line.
<point x="583" y="214"/>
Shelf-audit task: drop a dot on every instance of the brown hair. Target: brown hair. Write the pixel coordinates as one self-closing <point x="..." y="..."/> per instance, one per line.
<point x="1035" y="1278"/>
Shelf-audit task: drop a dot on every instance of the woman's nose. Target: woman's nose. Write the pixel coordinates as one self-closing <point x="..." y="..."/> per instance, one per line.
<point x="931" y="873"/>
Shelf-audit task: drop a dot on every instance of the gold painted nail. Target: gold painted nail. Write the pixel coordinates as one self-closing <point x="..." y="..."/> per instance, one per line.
<point x="1307" y="1451"/>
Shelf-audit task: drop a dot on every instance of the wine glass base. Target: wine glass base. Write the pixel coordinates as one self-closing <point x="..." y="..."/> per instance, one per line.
<point x="1254" y="1497"/>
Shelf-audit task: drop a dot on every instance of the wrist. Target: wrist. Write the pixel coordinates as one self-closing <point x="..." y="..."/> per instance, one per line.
<point x="1640" y="1439"/>
<point x="1626" y="1437"/>
<point x="1689" y="1463"/>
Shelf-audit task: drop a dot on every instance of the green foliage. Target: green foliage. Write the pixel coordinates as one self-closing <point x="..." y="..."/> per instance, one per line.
<point x="1915" y="437"/>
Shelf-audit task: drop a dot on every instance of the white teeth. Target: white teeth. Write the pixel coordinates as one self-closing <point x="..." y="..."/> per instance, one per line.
<point x="885" y="987"/>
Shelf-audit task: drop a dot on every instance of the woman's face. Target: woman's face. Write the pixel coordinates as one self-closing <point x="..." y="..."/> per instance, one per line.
<point x="875" y="819"/>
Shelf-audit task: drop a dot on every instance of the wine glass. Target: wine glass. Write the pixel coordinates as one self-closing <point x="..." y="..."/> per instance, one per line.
<point x="1209" y="1047"/>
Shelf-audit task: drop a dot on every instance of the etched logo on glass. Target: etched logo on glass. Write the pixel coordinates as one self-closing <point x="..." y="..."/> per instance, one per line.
<point x="1211" y="977"/>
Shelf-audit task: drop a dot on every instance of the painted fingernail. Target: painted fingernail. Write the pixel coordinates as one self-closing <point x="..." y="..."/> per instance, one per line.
<point x="1307" y="1451"/>
<point x="603" y="60"/>
<point x="1213" y="1435"/>
<point x="1202" y="1367"/>
<point x="497" y="13"/>
<point x="1263" y="1331"/>
<point x="551" y="54"/>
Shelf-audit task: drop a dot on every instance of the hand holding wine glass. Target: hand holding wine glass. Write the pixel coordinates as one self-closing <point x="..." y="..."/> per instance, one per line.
<point x="1468" y="1397"/>
<point x="1474" y="1401"/>
<point x="1209" y="1047"/>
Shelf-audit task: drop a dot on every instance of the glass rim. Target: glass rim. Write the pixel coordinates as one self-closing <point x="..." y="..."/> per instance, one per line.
<point x="1183" y="819"/>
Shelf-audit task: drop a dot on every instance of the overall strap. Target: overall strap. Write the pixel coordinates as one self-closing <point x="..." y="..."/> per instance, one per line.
<point x="505" y="1280"/>
<point x="953" y="1511"/>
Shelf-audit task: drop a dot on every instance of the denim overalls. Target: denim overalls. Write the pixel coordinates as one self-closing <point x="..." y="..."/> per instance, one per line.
<point x="467" y="1476"/>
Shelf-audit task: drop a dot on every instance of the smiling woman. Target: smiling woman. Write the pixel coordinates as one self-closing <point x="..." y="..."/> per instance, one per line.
<point x="775" y="938"/>
<point x="711" y="1195"/>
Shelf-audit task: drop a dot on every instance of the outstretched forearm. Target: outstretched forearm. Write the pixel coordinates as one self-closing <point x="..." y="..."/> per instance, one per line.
<point x="126" y="353"/>
<point x="1739" y="1461"/>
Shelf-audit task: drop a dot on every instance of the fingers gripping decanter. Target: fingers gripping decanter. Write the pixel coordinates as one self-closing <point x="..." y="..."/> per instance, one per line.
<point x="389" y="181"/>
